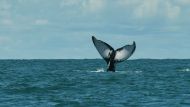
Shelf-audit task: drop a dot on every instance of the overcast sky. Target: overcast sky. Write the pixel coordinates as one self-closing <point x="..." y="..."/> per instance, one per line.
<point x="63" y="28"/>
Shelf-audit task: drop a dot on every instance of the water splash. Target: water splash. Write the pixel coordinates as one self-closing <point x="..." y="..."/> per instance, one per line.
<point x="121" y="72"/>
<point x="99" y="70"/>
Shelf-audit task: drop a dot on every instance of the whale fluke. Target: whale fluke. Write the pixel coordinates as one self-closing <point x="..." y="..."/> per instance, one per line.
<point x="112" y="56"/>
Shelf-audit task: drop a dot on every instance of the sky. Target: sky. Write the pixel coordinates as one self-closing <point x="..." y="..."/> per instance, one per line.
<point x="62" y="29"/>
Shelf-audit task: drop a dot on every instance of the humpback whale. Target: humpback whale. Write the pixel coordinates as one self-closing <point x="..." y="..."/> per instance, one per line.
<point x="112" y="56"/>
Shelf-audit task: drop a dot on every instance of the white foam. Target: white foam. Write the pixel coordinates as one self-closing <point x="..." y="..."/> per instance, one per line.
<point x="122" y="72"/>
<point x="99" y="70"/>
<point x="138" y="71"/>
<point x="185" y="70"/>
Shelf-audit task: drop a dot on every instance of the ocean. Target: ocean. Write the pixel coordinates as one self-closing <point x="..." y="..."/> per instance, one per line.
<point x="85" y="83"/>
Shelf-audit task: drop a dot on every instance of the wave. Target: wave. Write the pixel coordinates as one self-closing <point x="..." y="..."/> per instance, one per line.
<point x="97" y="70"/>
<point x="122" y="72"/>
<point x="101" y="70"/>
<point x="185" y="70"/>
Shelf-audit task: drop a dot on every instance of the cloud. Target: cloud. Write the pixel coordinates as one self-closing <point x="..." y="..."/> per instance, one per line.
<point x="147" y="8"/>
<point x="7" y="22"/>
<point x="70" y="23"/>
<point x="93" y="5"/>
<point x="5" y="8"/>
<point x="5" y="5"/>
<point x="4" y="40"/>
<point x="128" y="3"/>
<point x="183" y="2"/>
<point x="69" y="2"/>
<point x="172" y="11"/>
<point x="85" y="5"/>
<point x="41" y="22"/>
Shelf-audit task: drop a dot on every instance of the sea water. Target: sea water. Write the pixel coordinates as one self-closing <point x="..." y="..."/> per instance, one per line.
<point x="85" y="83"/>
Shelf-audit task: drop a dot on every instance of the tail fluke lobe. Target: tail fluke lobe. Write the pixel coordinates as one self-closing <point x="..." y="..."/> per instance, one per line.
<point x="124" y="52"/>
<point x="103" y="48"/>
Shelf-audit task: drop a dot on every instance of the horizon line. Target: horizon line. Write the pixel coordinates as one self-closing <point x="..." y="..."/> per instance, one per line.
<point x="91" y="59"/>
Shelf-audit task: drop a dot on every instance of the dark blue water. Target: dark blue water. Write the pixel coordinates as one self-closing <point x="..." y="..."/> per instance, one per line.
<point x="85" y="83"/>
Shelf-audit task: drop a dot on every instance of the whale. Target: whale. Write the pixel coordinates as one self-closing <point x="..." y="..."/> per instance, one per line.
<point x="111" y="56"/>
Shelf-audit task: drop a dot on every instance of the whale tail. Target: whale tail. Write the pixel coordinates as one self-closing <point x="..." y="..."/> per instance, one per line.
<point x="112" y="56"/>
